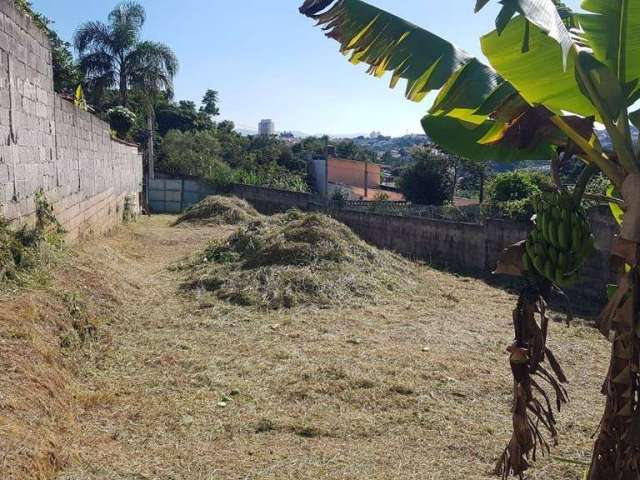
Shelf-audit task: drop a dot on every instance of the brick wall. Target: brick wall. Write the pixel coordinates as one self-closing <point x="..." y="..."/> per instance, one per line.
<point x="47" y="144"/>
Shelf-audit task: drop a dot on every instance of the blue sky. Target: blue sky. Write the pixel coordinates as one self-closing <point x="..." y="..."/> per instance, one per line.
<point x="268" y="61"/>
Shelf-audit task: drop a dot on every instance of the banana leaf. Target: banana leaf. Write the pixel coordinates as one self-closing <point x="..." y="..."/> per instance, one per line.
<point x="544" y="14"/>
<point x="539" y="74"/>
<point x="462" y="138"/>
<point x="612" y="30"/>
<point x="470" y="91"/>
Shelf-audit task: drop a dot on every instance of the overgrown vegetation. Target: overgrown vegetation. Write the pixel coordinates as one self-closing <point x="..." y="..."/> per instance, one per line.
<point x="298" y="259"/>
<point x="66" y="71"/>
<point x="23" y="249"/>
<point x="220" y="210"/>
<point x="121" y="120"/>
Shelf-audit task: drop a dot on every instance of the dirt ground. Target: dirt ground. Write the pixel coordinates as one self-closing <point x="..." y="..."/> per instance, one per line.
<point x="176" y="385"/>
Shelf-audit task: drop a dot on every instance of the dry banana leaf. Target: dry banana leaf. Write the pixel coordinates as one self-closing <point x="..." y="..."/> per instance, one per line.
<point x="510" y="262"/>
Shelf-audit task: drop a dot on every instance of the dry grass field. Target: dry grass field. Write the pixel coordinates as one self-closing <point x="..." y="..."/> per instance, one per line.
<point x="116" y="373"/>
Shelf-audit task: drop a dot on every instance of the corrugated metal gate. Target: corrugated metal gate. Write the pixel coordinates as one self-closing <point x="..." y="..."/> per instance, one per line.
<point x="175" y="196"/>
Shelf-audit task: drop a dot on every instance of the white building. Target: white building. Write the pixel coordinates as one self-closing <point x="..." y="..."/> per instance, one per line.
<point x="266" y="127"/>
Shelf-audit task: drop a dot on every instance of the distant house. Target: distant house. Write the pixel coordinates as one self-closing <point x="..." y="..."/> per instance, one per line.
<point x="359" y="180"/>
<point x="464" y="202"/>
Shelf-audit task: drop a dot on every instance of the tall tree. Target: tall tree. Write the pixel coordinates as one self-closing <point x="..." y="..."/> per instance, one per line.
<point x="430" y="180"/>
<point x="152" y="75"/>
<point x="112" y="54"/>
<point x="210" y="103"/>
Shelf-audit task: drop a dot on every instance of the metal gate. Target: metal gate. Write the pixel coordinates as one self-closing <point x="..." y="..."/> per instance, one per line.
<point x="175" y="196"/>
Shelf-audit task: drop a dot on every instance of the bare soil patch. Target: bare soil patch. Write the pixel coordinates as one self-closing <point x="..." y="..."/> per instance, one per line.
<point x="179" y="385"/>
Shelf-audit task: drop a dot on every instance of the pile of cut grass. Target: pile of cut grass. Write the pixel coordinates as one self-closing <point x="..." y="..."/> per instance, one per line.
<point x="19" y="250"/>
<point x="299" y="259"/>
<point x="220" y="210"/>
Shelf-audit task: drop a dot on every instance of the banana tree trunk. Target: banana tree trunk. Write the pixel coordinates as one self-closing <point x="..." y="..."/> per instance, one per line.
<point x="616" y="453"/>
<point x="535" y="370"/>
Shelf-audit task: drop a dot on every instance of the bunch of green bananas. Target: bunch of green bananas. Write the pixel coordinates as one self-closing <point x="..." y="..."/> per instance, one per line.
<point x="560" y="241"/>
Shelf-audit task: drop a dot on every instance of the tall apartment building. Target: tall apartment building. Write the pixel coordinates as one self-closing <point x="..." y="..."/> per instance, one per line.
<point x="267" y="128"/>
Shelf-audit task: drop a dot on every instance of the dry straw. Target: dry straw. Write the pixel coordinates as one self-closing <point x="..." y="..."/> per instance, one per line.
<point x="219" y="210"/>
<point x="298" y="259"/>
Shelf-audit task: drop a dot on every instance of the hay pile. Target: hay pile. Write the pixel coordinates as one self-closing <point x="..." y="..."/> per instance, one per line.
<point x="220" y="210"/>
<point x="299" y="259"/>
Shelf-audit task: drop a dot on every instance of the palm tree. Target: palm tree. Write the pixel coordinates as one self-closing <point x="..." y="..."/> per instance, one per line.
<point x="151" y="76"/>
<point x="111" y="55"/>
<point x="554" y="74"/>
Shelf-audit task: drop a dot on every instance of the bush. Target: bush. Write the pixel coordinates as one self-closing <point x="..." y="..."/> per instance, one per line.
<point x="121" y="120"/>
<point x="509" y="194"/>
<point x="272" y="176"/>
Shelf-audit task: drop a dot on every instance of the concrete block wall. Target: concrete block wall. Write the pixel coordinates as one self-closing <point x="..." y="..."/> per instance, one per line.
<point x="463" y="247"/>
<point x="268" y="200"/>
<point x="47" y="144"/>
<point x="471" y="247"/>
<point x="459" y="246"/>
<point x="454" y="245"/>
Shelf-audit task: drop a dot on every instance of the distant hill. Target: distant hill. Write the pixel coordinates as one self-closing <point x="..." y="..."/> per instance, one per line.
<point x="605" y="139"/>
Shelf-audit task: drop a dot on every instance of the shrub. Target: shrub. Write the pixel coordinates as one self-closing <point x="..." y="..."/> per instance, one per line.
<point x="121" y="120"/>
<point x="23" y="249"/>
<point x="339" y="195"/>
<point x="509" y="194"/>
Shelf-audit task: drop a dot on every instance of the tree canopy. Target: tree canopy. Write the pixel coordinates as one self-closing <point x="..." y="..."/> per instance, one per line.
<point x="113" y="55"/>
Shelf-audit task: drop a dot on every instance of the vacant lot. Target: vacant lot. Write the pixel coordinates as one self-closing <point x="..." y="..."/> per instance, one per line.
<point x="176" y="385"/>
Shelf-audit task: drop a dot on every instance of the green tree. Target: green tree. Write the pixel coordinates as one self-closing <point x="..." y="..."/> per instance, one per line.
<point x="310" y="146"/>
<point x="153" y="79"/>
<point x="210" y="103"/>
<point x="189" y="153"/>
<point x="429" y="181"/>
<point x="516" y="109"/>
<point x="182" y="116"/>
<point x="66" y="71"/>
<point x="511" y="194"/>
<point x="233" y="145"/>
<point x="112" y="55"/>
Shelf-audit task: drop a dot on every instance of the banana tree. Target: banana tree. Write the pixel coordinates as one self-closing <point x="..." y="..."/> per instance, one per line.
<point x="553" y="75"/>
